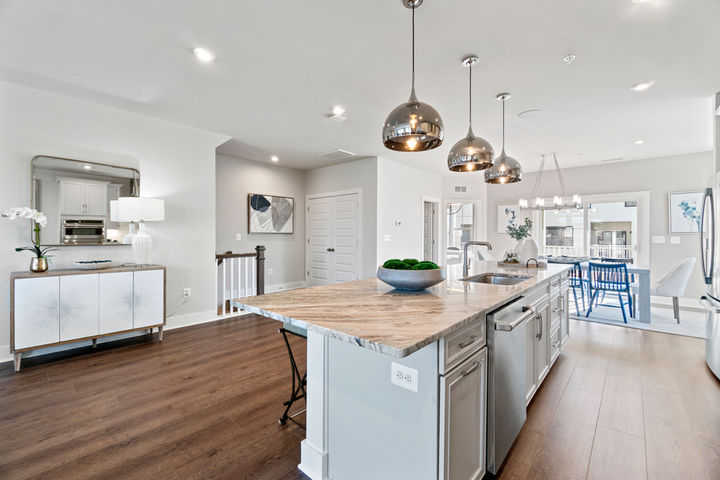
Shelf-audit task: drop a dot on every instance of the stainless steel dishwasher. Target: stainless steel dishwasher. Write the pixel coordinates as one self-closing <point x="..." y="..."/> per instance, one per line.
<point x="506" y="336"/>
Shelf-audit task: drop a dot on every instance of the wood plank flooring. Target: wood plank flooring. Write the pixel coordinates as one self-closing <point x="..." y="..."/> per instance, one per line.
<point x="619" y="403"/>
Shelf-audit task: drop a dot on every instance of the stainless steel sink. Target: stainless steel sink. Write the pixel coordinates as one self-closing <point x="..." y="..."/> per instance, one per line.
<point x="496" y="278"/>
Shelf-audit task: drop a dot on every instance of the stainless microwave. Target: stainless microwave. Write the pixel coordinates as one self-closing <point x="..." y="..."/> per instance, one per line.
<point x="83" y="232"/>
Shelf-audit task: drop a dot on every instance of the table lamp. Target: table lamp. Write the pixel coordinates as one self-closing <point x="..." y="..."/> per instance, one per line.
<point x="140" y="210"/>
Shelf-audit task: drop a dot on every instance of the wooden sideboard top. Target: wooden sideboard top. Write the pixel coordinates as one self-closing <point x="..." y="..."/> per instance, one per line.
<point x="59" y="272"/>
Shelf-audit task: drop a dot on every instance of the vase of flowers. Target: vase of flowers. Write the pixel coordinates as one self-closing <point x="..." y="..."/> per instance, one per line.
<point x="39" y="262"/>
<point x="526" y="247"/>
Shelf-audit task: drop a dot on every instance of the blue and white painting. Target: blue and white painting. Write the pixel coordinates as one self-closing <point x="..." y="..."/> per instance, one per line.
<point x="507" y="215"/>
<point x="685" y="210"/>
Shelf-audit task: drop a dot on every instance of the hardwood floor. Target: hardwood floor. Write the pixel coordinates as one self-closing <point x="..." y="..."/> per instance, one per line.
<point x="619" y="403"/>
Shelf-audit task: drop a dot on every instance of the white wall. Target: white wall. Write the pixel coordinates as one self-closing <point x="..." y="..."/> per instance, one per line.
<point x="400" y="208"/>
<point x="359" y="174"/>
<point x="285" y="253"/>
<point x="659" y="176"/>
<point x="176" y="163"/>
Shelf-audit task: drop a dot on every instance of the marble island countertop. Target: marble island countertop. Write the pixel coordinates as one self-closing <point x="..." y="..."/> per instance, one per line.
<point x="375" y="316"/>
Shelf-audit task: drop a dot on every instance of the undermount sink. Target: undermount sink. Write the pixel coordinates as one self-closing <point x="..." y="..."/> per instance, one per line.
<point x="496" y="278"/>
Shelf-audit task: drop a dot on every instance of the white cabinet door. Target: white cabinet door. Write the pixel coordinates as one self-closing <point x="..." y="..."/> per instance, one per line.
<point x="149" y="298"/>
<point x="462" y="419"/>
<point x="36" y="313"/>
<point x="72" y="198"/>
<point x="96" y="202"/>
<point x="78" y="306"/>
<point x="542" y="343"/>
<point x="116" y="302"/>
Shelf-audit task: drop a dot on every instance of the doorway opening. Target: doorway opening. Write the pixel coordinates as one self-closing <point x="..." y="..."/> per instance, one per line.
<point x="430" y="230"/>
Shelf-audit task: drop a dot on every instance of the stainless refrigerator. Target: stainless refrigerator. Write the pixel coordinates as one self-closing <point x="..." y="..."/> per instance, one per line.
<point x="710" y="261"/>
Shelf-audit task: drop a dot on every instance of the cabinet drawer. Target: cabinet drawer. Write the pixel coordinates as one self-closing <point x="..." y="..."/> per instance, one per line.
<point x="555" y="343"/>
<point x="457" y="346"/>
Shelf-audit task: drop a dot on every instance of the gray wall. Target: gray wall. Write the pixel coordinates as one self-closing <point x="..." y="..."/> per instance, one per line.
<point x="360" y="174"/>
<point x="285" y="253"/>
<point x="659" y="176"/>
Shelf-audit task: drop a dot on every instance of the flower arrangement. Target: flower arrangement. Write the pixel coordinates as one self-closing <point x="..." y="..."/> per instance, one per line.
<point x="39" y="220"/>
<point x="520" y="232"/>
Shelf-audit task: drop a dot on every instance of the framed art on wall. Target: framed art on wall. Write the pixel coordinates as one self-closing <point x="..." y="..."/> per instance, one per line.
<point x="270" y="214"/>
<point x="507" y="215"/>
<point x="684" y="211"/>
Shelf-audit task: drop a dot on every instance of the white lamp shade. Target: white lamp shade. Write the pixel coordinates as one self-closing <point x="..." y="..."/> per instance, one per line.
<point x="138" y="209"/>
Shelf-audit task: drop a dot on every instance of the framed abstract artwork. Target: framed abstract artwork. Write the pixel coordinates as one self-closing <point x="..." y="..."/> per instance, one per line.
<point x="684" y="210"/>
<point x="507" y="215"/>
<point x="270" y="214"/>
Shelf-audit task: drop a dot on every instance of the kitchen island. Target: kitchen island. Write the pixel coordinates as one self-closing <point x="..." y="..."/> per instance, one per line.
<point x="397" y="380"/>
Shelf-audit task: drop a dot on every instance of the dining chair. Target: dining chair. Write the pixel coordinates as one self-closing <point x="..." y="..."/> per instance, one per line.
<point x="673" y="285"/>
<point x="299" y="381"/>
<point x="578" y="281"/>
<point x="609" y="277"/>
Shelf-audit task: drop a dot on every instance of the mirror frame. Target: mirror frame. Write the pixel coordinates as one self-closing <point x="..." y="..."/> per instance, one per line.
<point x="34" y="196"/>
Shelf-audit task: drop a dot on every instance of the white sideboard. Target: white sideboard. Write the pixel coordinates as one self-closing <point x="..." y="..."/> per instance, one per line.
<point x="63" y="306"/>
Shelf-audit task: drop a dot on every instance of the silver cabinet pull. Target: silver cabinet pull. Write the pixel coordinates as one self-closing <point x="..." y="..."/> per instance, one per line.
<point x="471" y="340"/>
<point x="470" y="370"/>
<point x="540" y="334"/>
<point x="330" y="249"/>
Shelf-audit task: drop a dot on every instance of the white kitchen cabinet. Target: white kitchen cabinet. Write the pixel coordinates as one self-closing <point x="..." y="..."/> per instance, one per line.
<point x="149" y="297"/>
<point x="463" y="425"/>
<point x="64" y="305"/>
<point x="78" y="306"/>
<point x="116" y="299"/>
<point x="35" y="311"/>
<point x="80" y="197"/>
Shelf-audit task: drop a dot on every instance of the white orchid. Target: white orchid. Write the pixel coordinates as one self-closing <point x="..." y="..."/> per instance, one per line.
<point x="26" y="212"/>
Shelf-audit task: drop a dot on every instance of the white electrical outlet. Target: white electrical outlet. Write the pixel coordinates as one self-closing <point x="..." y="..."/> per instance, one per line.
<point x="271" y="271"/>
<point x="386" y="238"/>
<point x="238" y="236"/>
<point x="674" y="240"/>
<point x="658" y="239"/>
<point x="187" y="293"/>
<point x="404" y="376"/>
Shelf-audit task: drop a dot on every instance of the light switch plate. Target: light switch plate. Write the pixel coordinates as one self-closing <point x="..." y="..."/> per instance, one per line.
<point x="658" y="239"/>
<point x="238" y="236"/>
<point x="404" y="376"/>
<point x="386" y="238"/>
<point x="675" y="240"/>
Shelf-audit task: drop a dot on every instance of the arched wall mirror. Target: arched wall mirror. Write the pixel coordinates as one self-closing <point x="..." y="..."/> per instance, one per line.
<point x="75" y="197"/>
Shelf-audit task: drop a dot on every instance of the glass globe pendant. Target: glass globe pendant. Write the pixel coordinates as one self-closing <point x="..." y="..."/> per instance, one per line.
<point x="505" y="169"/>
<point x="413" y="126"/>
<point x="471" y="153"/>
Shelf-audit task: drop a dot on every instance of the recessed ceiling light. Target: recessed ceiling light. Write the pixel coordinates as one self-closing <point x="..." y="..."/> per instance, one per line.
<point x="203" y="54"/>
<point x="640" y="1"/>
<point x="639" y="87"/>
<point x="87" y="167"/>
<point x="274" y="158"/>
<point x="639" y="142"/>
<point x="338" y="110"/>
<point x="569" y="58"/>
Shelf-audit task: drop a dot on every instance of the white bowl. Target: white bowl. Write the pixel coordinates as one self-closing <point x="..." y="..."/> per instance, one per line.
<point x="411" y="279"/>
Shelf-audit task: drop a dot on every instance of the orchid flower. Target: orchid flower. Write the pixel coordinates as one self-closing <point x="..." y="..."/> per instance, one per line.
<point x="26" y="212"/>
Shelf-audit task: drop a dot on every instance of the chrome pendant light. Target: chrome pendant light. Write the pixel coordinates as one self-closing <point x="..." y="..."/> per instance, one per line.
<point x="413" y="126"/>
<point x="505" y="169"/>
<point x="471" y="153"/>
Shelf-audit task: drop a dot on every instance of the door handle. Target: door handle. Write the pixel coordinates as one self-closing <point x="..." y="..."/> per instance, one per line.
<point x="508" y="327"/>
<point x="330" y="249"/>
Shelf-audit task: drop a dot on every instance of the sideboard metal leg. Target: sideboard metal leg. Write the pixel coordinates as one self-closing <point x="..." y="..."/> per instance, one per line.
<point x="17" y="358"/>
<point x="160" y="333"/>
<point x="94" y="340"/>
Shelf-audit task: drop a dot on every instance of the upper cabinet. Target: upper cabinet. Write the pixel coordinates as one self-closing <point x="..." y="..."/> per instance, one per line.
<point x="83" y="197"/>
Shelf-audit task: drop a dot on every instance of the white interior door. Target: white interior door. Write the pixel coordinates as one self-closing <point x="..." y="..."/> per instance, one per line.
<point x="333" y="239"/>
<point x="429" y="231"/>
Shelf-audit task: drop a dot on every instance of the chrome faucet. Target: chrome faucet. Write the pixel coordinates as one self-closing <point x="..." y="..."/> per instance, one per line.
<point x="466" y="260"/>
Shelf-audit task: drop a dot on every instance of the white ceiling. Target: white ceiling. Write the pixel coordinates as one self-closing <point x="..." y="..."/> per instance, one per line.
<point x="282" y="65"/>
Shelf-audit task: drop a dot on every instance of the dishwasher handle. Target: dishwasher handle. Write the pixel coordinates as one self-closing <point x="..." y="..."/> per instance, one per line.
<point x="529" y="312"/>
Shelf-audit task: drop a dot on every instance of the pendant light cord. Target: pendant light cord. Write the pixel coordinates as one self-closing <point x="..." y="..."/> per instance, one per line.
<point x="413" y="47"/>
<point x="470" y="95"/>
<point x="503" y="136"/>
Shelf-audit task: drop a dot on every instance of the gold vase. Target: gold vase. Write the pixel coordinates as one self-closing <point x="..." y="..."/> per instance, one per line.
<point x="38" y="264"/>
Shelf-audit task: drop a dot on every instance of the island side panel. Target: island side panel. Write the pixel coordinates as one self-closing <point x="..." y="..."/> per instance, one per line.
<point x="377" y="429"/>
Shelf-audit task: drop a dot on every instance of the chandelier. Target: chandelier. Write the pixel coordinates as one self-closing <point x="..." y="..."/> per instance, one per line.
<point x="537" y="202"/>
